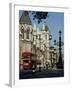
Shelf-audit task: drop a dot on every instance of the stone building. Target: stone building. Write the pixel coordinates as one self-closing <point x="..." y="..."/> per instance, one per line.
<point x="25" y="34"/>
<point x="53" y="56"/>
<point x="33" y="41"/>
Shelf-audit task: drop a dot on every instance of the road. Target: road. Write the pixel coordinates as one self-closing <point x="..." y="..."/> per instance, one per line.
<point x="41" y="74"/>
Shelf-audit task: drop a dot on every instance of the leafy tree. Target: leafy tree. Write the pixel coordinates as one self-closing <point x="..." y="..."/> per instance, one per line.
<point x="39" y="16"/>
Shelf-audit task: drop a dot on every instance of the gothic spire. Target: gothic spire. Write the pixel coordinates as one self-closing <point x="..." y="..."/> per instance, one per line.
<point x="25" y="19"/>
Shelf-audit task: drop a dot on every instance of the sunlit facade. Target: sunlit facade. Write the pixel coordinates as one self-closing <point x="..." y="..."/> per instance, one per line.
<point x="33" y="42"/>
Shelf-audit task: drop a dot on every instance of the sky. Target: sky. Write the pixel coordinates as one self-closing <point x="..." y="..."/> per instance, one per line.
<point x="54" y="21"/>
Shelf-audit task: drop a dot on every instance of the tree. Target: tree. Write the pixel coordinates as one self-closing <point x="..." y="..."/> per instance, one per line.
<point x="39" y="16"/>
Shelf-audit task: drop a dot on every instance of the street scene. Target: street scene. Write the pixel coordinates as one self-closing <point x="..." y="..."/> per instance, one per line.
<point x="41" y="44"/>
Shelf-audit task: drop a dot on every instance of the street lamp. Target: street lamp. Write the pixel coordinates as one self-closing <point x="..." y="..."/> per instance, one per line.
<point x="60" y="44"/>
<point x="50" y="37"/>
<point x="54" y="42"/>
<point x="60" y="63"/>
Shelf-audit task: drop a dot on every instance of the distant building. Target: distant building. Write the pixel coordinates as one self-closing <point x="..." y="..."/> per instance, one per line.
<point x="53" y="56"/>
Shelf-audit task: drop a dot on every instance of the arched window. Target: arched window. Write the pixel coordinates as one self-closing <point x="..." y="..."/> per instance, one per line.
<point x="22" y="31"/>
<point x="46" y="36"/>
<point x="27" y="36"/>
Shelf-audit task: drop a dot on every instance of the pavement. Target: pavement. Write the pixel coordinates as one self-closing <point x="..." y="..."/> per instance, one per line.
<point x="29" y="74"/>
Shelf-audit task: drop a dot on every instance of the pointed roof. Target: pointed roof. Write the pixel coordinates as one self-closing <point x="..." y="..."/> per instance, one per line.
<point x="25" y="19"/>
<point x="46" y="28"/>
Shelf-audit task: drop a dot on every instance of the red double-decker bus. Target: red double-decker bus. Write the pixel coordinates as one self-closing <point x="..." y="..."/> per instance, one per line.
<point x="28" y="62"/>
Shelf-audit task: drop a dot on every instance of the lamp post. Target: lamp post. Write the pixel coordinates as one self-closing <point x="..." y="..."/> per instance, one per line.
<point x="60" y="63"/>
<point x="60" y="44"/>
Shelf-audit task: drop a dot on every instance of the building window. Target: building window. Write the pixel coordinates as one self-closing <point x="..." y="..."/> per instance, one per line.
<point x="31" y="36"/>
<point x="45" y="36"/>
<point x="39" y="36"/>
<point x="27" y="36"/>
<point x="22" y="31"/>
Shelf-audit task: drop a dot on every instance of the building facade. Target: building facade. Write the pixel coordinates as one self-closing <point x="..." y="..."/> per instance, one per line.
<point x="33" y="43"/>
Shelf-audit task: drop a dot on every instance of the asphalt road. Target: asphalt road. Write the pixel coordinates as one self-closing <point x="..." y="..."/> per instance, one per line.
<point x="41" y="74"/>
